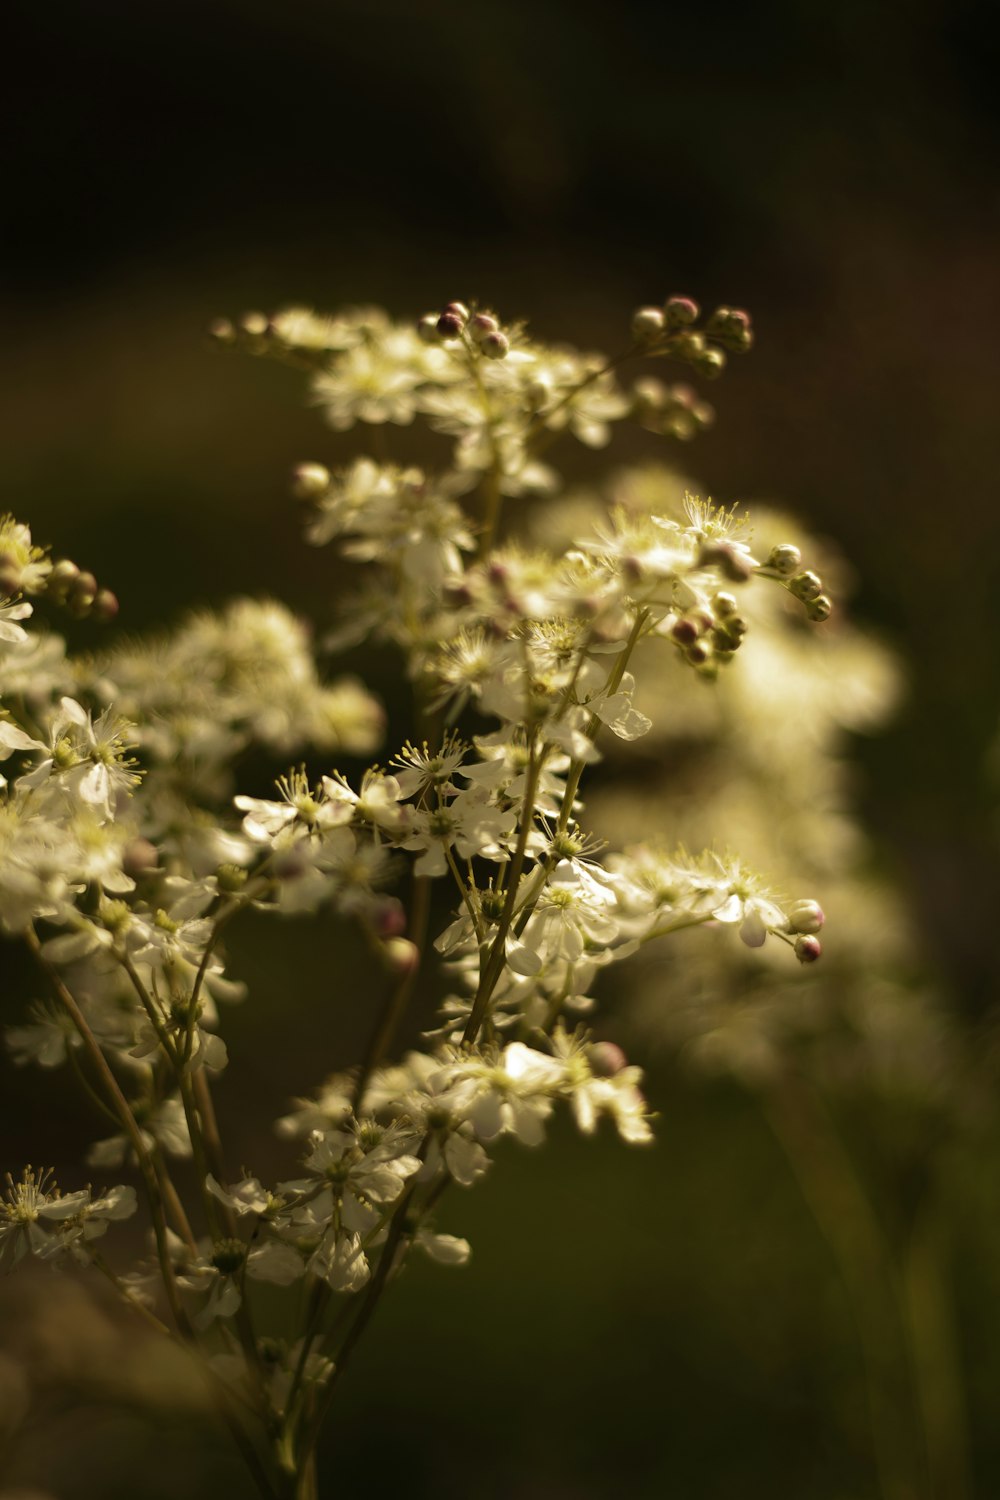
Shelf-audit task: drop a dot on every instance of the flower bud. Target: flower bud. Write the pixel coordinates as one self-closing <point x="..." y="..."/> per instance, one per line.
<point x="820" y="608"/>
<point x="221" y="331"/>
<point x="784" y="559"/>
<point x="449" y="325"/>
<point x="82" y="593"/>
<point x="230" y="879"/>
<point x="681" y="312"/>
<point x="805" y="917"/>
<point x="732" y="562"/>
<point x="684" y="631"/>
<point x="689" y="345"/>
<point x="10" y="574"/>
<point x="105" y="607"/>
<point x="710" y="364"/>
<point x="495" y="345"/>
<point x="808" y="949"/>
<point x="401" y="955"/>
<point x="481" y="325"/>
<point x="309" y="481"/>
<point x="459" y="309"/>
<point x="724" y="605"/>
<point x="648" y="324"/>
<point x="806" y="586"/>
<point x="255" y="324"/>
<point x="389" y="917"/>
<point x="606" y="1059"/>
<point x="62" y="577"/>
<point x="427" y="328"/>
<point x="139" y="857"/>
<point x="698" y="652"/>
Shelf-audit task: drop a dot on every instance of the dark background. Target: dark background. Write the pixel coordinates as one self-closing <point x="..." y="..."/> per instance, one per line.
<point x="830" y="168"/>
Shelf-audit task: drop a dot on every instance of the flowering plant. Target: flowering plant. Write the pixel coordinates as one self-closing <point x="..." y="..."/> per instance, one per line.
<point x="126" y="847"/>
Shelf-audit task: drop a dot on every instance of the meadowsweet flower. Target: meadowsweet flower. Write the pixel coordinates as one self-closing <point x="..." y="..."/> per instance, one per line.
<point x="37" y="1219"/>
<point x="87" y="757"/>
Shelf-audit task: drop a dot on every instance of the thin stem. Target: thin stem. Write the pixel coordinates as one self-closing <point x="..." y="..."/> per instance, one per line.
<point x="172" y="1201"/>
<point x="465" y="891"/>
<point x="612" y="685"/>
<point x="100" y="1264"/>
<point x="130" y="1126"/>
<point x="399" y="997"/>
<point x="540" y="425"/>
<point x="372" y="1297"/>
<point x="493" y="968"/>
<point x="154" y="1197"/>
<point x="210" y="1132"/>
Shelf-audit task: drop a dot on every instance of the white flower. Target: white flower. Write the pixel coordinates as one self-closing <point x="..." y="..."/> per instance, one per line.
<point x="87" y="756"/>
<point x="36" y="1218"/>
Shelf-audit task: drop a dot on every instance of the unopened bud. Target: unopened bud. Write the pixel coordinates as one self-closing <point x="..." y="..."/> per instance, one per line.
<point x="681" y="312"/>
<point x="458" y="308"/>
<point x="105" y="607"/>
<point x="784" y="559"/>
<point x="808" y="949"/>
<point x="495" y="345"/>
<point x="139" y="857"/>
<point x="689" y="346"/>
<point x="62" y="577"/>
<point x="820" y="608"/>
<point x="427" y="328"/>
<point x="309" y="481"/>
<point x="698" y="652"/>
<point x="806" y="586"/>
<point x="732" y="562"/>
<point x="82" y="593"/>
<point x="389" y="917"/>
<point x="606" y="1059"/>
<point x="805" y="917"/>
<point x="10" y="574"/>
<point x="710" y="364"/>
<point x="230" y="879"/>
<point x="684" y="631"/>
<point x="256" y="325"/>
<point x="648" y="324"/>
<point x="449" y="325"/>
<point x="221" y="331"/>
<point x="401" y="955"/>
<point x="481" y="325"/>
<point x="725" y="604"/>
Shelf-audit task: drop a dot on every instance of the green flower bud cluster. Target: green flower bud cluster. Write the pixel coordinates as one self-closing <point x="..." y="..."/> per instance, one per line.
<point x="671" y="331"/>
<point x="784" y="563"/>
<point x="253" y="332"/>
<point x="79" y="592"/>
<point x="670" y="410"/>
<point x="710" y="637"/>
<point x="26" y="569"/>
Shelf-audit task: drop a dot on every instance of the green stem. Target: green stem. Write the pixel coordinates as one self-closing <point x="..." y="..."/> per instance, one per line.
<point x="124" y="1112"/>
<point x="493" y="967"/>
<point x="399" y="997"/>
<point x="219" y="1395"/>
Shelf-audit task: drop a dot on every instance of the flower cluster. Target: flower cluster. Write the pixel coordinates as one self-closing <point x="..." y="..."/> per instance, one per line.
<point x="127" y="846"/>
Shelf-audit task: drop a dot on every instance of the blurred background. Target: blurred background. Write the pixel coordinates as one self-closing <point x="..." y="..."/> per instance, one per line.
<point x="686" y="1322"/>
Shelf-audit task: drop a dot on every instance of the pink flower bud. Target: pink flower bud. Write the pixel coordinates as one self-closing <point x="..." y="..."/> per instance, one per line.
<point x="808" y="949"/>
<point x="606" y="1059"/>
